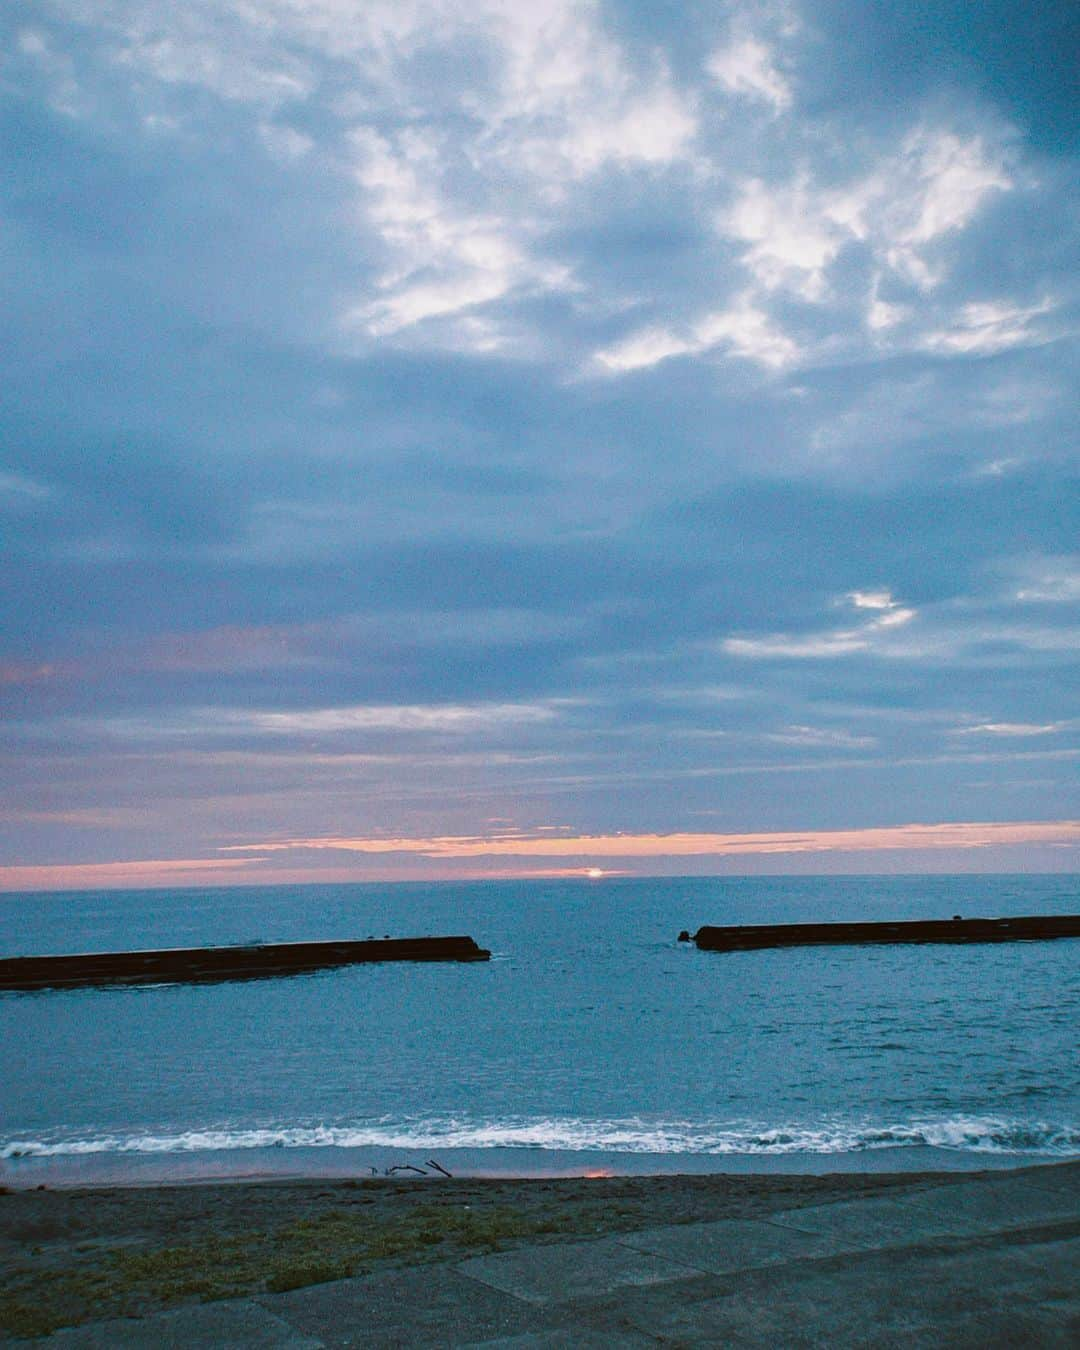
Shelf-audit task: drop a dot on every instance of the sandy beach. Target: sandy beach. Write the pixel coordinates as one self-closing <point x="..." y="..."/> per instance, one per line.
<point x="70" y="1256"/>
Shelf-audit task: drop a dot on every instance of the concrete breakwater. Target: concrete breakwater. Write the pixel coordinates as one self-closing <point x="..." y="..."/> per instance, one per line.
<point x="204" y="964"/>
<point x="748" y="937"/>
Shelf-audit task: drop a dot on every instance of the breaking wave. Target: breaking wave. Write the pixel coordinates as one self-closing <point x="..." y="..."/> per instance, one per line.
<point x="974" y="1134"/>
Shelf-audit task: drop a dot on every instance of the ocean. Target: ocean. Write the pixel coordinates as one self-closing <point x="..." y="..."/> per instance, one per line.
<point x="592" y="1041"/>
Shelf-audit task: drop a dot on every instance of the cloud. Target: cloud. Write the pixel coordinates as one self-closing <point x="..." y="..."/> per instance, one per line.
<point x="931" y="187"/>
<point x="1009" y="729"/>
<point x="988" y="328"/>
<point x="869" y="636"/>
<point x="453" y="718"/>
<point x="902" y="411"/>
<point x="1049" y="580"/>
<point x="562" y="106"/>
<point x="743" y="330"/>
<point x="330" y="723"/>
<point x="644" y="349"/>
<point x="16" y="489"/>
<point x="748" y="67"/>
<point x="821" y="738"/>
<point x="443" y="260"/>
<point x="879" y="601"/>
<point x="936" y="836"/>
<point x="791" y="238"/>
<point x="954" y="175"/>
<point x="921" y="841"/>
<point x="158" y="872"/>
<point x="448" y="390"/>
<point x="798" y="238"/>
<point x="475" y="143"/>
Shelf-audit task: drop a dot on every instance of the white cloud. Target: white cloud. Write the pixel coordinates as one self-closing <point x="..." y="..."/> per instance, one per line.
<point x="744" y="330"/>
<point x="953" y="177"/>
<point x="821" y="738"/>
<point x="890" y="613"/>
<point x="884" y="314"/>
<point x="748" y="67"/>
<point x="464" y="184"/>
<point x="794" y="232"/>
<point x="812" y="647"/>
<point x="194" y="49"/>
<point x="748" y="332"/>
<point x="982" y="329"/>
<point x="1049" y="580"/>
<point x="565" y="99"/>
<point x="459" y="179"/>
<point x="654" y="130"/>
<point x="933" y="186"/>
<point x="640" y="350"/>
<point x="443" y="260"/>
<point x="413" y="304"/>
<point x="881" y="314"/>
<point x="285" y="143"/>
<point x="869" y="636"/>
<point x="443" y="717"/>
<point x="1009" y="729"/>
<point x="792" y="240"/>
<point x="224" y="723"/>
<point x="877" y="600"/>
<point x="561" y="105"/>
<point x="66" y="94"/>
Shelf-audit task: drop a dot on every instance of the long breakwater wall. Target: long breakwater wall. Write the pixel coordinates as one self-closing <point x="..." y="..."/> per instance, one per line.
<point x="205" y="964"/>
<point x="750" y="937"/>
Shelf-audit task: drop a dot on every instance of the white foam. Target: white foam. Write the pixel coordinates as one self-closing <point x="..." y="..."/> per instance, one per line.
<point x="974" y="1134"/>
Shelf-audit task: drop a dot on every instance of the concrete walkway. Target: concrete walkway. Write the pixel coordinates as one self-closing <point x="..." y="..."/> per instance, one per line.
<point x="993" y="1261"/>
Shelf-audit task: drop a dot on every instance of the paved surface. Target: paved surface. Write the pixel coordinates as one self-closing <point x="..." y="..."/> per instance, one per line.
<point x="974" y="1263"/>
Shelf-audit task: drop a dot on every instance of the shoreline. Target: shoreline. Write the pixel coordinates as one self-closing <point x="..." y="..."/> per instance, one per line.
<point x="342" y="1164"/>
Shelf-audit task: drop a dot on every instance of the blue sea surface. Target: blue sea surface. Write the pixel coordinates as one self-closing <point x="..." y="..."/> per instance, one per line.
<point x="591" y="1037"/>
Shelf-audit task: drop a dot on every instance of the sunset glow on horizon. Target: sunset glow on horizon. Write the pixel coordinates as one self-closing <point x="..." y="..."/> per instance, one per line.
<point x="633" y="851"/>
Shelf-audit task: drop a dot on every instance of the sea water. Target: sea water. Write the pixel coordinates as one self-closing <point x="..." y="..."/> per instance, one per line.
<point x="593" y="1039"/>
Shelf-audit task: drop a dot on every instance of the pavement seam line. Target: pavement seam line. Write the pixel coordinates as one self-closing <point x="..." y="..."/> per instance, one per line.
<point x="684" y="1264"/>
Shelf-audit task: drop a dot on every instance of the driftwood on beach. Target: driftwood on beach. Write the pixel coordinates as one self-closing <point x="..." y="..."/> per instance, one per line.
<point x="749" y="937"/>
<point x="189" y="965"/>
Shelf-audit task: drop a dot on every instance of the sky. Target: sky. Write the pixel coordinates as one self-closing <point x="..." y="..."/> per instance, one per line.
<point x="536" y="439"/>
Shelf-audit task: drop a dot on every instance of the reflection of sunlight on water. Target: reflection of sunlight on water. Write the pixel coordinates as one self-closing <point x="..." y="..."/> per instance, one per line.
<point x="598" y="1172"/>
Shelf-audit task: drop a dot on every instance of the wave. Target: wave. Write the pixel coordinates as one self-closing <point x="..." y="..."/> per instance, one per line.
<point x="975" y="1134"/>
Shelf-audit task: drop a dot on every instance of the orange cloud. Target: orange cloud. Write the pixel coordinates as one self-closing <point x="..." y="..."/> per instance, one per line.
<point x="962" y="835"/>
